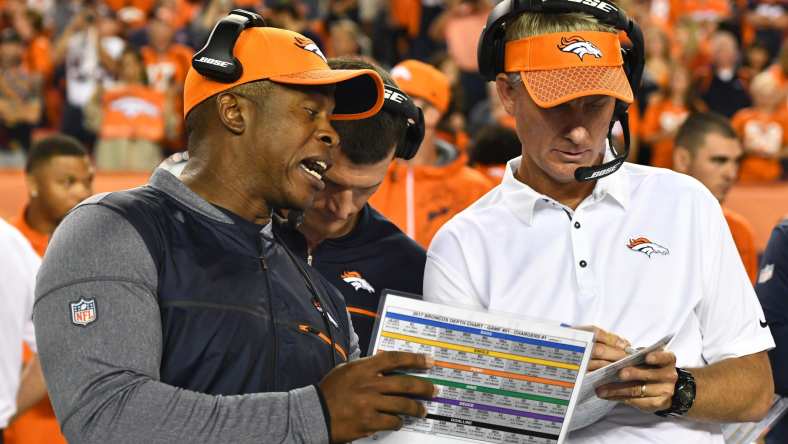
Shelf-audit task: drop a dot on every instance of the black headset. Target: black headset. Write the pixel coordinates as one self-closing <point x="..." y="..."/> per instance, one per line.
<point x="492" y="46"/>
<point x="215" y="60"/>
<point x="397" y="102"/>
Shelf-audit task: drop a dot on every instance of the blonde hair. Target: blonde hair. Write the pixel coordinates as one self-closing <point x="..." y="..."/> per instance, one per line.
<point x="531" y="24"/>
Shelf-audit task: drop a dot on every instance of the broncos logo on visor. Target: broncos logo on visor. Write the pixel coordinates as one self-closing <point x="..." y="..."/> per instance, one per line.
<point x="576" y="45"/>
<point x="309" y="45"/>
<point x="645" y="246"/>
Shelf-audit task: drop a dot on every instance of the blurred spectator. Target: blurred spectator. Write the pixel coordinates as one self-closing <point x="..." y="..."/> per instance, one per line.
<point x="347" y="40"/>
<point x="460" y="26"/>
<point x="721" y="86"/>
<point x="763" y="130"/>
<point x="131" y="118"/>
<point x="21" y="101"/>
<point x="59" y="175"/>
<point x="658" y="62"/>
<point x="166" y="65"/>
<point x="665" y="112"/>
<point x="166" y="62"/>
<point x="420" y="195"/>
<point x="451" y="127"/>
<point x="491" y="148"/>
<point x="287" y="14"/>
<point x="89" y="47"/>
<point x="19" y="388"/>
<point x="131" y="13"/>
<point x="707" y="148"/>
<point x="768" y="22"/>
<point x="489" y="112"/>
<point x="700" y="11"/>
<point x="756" y="60"/>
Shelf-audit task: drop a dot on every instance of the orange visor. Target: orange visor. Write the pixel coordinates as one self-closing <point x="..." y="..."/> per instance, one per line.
<point x="290" y="58"/>
<point x="563" y="66"/>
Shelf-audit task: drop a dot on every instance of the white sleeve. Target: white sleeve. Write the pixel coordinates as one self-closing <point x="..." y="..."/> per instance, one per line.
<point x="729" y="312"/>
<point x="447" y="273"/>
<point x="31" y="263"/>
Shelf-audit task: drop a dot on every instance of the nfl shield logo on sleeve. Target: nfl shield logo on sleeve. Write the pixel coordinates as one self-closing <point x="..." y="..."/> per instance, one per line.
<point x="83" y="312"/>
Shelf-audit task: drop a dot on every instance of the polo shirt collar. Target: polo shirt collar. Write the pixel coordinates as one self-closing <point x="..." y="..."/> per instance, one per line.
<point x="523" y="200"/>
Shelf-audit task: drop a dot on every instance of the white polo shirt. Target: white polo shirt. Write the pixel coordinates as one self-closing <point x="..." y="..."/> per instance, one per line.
<point x="648" y="253"/>
<point x="18" y="268"/>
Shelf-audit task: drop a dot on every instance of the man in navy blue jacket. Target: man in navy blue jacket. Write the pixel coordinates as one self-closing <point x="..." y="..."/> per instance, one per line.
<point x="353" y="246"/>
<point x="772" y="290"/>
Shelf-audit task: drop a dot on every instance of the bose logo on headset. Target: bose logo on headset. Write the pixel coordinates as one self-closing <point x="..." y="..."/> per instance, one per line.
<point x="394" y="96"/>
<point x="604" y="172"/>
<point x="607" y="7"/>
<point x="214" y="62"/>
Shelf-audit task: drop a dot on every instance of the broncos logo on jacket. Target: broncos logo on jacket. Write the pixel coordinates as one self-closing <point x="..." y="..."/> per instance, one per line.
<point x="359" y="283"/>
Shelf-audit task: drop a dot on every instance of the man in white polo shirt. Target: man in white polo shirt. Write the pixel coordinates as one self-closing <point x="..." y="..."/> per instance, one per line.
<point x="640" y="252"/>
<point x="18" y="267"/>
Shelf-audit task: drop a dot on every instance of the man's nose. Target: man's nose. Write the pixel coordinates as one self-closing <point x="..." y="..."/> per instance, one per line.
<point x="578" y="135"/>
<point x="341" y="204"/>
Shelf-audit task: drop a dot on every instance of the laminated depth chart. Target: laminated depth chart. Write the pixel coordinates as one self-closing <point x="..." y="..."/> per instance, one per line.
<point x="500" y="379"/>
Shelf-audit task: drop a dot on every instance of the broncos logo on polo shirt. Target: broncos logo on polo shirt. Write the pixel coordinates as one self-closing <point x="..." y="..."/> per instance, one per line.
<point x="359" y="283"/>
<point x="645" y="246"/>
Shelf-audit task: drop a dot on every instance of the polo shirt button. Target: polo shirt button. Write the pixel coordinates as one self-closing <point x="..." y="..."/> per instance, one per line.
<point x="583" y="264"/>
<point x="577" y="224"/>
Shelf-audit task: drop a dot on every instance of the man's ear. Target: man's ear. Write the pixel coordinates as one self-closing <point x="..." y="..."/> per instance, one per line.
<point x="232" y="112"/>
<point x="32" y="186"/>
<point x="681" y="159"/>
<point x="506" y="92"/>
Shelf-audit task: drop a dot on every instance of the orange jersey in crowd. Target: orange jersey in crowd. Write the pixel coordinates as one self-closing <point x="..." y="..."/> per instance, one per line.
<point x="168" y="68"/>
<point x="420" y="199"/>
<point x="660" y="116"/>
<point x="744" y="237"/>
<point x="764" y="131"/>
<point x="133" y="112"/>
<point x="39" y="424"/>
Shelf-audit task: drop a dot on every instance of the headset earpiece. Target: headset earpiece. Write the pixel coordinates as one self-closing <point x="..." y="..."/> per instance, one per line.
<point x="215" y="60"/>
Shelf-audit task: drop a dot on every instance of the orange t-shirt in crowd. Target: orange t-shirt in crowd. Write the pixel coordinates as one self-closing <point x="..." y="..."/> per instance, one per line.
<point x="662" y="115"/>
<point x="39" y="424"/>
<point x="132" y="112"/>
<point x="38" y="56"/>
<point x="420" y="199"/>
<point x="768" y="131"/>
<point x="407" y="14"/>
<point x="744" y="238"/>
<point x="705" y="10"/>
<point x="462" y="36"/>
<point x="133" y="12"/>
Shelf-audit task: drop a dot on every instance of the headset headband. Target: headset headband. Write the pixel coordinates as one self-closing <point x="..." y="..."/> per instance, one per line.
<point x="216" y="60"/>
<point x="397" y="102"/>
<point x="492" y="45"/>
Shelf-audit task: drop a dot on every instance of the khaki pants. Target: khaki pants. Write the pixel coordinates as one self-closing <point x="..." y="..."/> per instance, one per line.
<point x="127" y="155"/>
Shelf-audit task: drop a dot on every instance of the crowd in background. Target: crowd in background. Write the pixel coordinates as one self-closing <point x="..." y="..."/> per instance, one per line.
<point x="111" y="72"/>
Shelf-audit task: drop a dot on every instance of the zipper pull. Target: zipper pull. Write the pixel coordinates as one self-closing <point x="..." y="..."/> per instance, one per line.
<point x="309" y="256"/>
<point x="325" y="313"/>
<point x="263" y="264"/>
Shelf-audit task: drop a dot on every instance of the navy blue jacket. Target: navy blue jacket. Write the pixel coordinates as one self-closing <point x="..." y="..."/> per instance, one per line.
<point x="237" y="315"/>
<point x="375" y="256"/>
<point x="772" y="290"/>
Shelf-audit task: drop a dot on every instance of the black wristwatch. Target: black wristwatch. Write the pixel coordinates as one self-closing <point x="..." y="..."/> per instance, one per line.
<point x="683" y="395"/>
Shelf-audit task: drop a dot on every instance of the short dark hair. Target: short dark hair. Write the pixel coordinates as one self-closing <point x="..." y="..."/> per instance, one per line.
<point x="692" y="133"/>
<point x="369" y="141"/>
<point x="51" y="146"/>
<point x="494" y="145"/>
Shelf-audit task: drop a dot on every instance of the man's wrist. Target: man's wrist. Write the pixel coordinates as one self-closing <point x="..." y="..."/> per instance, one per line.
<point x="324" y="407"/>
<point x="683" y="395"/>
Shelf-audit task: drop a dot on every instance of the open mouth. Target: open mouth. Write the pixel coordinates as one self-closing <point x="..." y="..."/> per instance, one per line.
<point x="315" y="168"/>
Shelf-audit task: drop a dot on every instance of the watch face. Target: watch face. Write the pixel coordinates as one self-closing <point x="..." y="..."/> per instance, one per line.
<point x="685" y="395"/>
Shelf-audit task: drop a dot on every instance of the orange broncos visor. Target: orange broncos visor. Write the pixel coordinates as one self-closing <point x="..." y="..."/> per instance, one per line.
<point x="563" y="66"/>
